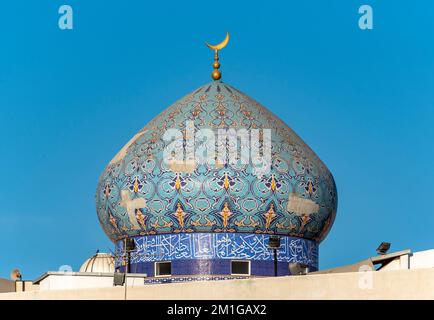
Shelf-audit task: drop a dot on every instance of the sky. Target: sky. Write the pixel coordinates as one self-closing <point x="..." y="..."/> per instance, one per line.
<point x="363" y="100"/>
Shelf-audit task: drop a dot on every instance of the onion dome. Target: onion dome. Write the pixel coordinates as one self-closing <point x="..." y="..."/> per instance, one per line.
<point x="141" y="193"/>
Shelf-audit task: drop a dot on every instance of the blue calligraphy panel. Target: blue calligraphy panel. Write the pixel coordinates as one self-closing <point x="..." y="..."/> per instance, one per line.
<point x="215" y="246"/>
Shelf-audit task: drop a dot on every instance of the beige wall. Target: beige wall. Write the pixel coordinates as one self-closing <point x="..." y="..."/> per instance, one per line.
<point x="422" y="259"/>
<point x="7" y="285"/>
<point x="21" y="286"/>
<point x="399" y="284"/>
<point x="68" y="282"/>
<point x="416" y="260"/>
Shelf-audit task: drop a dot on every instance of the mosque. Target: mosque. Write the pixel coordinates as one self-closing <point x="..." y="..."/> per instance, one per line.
<point x="173" y="219"/>
<point x="215" y="220"/>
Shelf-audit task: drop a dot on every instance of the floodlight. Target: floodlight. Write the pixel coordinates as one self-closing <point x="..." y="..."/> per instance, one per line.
<point x="383" y="248"/>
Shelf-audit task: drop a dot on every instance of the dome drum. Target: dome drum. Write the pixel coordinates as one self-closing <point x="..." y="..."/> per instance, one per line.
<point x="193" y="255"/>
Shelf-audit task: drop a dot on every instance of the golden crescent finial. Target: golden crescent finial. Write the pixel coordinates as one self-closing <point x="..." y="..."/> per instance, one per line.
<point x="216" y="74"/>
<point x="221" y="45"/>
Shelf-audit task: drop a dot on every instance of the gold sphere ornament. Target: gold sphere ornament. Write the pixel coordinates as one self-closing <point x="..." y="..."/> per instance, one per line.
<point x="216" y="75"/>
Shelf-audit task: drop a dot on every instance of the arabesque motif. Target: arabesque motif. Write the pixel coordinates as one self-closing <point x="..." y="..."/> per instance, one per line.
<point x="138" y="194"/>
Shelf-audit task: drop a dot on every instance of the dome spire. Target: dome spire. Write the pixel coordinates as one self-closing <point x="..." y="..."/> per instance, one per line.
<point x="216" y="74"/>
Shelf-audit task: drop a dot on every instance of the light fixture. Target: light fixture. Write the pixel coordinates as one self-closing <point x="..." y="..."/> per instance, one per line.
<point x="130" y="244"/>
<point x="274" y="244"/>
<point x="383" y="248"/>
<point x="118" y="279"/>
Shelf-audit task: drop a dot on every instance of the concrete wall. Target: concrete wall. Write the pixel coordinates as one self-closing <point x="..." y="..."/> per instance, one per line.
<point x="21" y="286"/>
<point x="71" y="282"/>
<point x="402" y="262"/>
<point x="399" y="284"/>
<point x="7" y="285"/>
<point x="416" y="260"/>
<point x="422" y="259"/>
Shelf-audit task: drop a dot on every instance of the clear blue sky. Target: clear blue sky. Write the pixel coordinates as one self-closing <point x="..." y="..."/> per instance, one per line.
<point x="69" y="100"/>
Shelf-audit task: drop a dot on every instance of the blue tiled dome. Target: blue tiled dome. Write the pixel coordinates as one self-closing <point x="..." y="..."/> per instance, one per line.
<point x="138" y="194"/>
